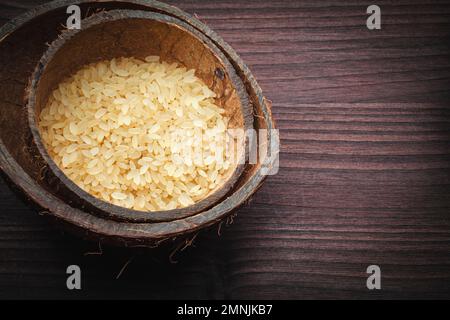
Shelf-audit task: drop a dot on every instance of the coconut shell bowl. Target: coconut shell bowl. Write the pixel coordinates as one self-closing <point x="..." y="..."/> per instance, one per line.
<point x="37" y="52"/>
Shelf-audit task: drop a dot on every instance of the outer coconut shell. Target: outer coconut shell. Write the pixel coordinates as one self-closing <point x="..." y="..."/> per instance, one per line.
<point x="22" y="43"/>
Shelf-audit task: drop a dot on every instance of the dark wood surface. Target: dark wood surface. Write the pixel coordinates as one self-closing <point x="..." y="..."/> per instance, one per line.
<point x="364" y="178"/>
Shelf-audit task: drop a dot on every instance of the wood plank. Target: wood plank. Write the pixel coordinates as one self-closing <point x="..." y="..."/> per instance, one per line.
<point x="364" y="168"/>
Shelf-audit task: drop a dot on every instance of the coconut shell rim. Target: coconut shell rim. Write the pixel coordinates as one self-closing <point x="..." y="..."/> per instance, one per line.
<point x="103" y="208"/>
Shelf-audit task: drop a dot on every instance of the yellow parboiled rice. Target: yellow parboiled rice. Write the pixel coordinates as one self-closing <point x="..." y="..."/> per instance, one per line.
<point x="139" y="134"/>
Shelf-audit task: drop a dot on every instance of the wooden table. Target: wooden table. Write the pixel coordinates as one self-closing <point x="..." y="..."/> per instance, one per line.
<point x="364" y="179"/>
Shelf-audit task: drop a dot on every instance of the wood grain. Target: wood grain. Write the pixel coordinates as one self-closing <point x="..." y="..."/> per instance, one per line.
<point x="364" y="169"/>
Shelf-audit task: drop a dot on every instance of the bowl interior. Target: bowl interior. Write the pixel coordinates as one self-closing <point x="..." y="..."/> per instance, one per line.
<point x="138" y="34"/>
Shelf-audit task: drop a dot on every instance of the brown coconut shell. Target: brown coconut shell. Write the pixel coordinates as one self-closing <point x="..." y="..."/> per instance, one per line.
<point x="135" y="33"/>
<point x="23" y="41"/>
